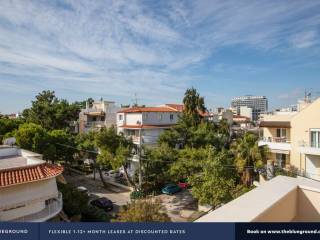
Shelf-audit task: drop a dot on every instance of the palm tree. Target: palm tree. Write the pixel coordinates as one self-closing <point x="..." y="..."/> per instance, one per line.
<point x="248" y="156"/>
<point x="193" y="105"/>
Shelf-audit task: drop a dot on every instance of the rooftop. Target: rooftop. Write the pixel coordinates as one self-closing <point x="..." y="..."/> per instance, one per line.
<point x="282" y="199"/>
<point x="147" y="109"/>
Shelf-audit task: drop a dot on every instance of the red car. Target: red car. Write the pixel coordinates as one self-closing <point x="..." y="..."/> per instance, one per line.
<point x="183" y="185"/>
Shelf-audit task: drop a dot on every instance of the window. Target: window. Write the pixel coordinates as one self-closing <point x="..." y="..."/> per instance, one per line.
<point x="280" y="160"/>
<point x="171" y="117"/>
<point x="281" y="132"/>
<point x="120" y="117"/>
<point x="160" y="116"/>
<point x="315" y="138"/>
<point x="145" y="116"/>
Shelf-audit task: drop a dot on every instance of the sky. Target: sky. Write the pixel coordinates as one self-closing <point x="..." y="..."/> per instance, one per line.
<point x="158" y="49"/>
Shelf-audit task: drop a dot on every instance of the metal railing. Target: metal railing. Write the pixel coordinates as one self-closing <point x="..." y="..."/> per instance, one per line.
<point x="275" y="139"/>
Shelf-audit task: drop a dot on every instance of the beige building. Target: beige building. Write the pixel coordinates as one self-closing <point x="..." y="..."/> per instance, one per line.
<point x="294" y="138"/>
<point x="28" y="189"/>
<point x="97" y="115"/>
<point x="282" y="199"/>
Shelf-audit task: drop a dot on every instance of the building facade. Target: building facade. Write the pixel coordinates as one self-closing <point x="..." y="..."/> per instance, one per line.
<point x="144" y="125"/>
<point x="97" y="115"/>
<point x="258" y="104"/>
<point x="294" y="138"/>
<point x="28" y="187"/>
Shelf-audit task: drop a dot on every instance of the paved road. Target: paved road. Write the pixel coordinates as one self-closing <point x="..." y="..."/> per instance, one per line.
<point x="119" y="196"/>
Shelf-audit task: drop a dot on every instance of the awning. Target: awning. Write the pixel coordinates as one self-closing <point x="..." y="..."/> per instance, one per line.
<point x="280" y="151"/>
<point x="275" y="124"/>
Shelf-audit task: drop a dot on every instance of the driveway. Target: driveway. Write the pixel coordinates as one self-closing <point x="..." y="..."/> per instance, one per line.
<point x="117" y="195"/>
<point x="177" y="203"/>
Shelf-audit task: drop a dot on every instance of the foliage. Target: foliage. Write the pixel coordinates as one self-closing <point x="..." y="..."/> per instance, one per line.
<point x="32" y="137"/>
<point x="73" y="200"/>
<point x="248" y="155"/>
<point x="7" y="126"/>
<point x="94" y="214"/>
<point x="193" y="106"/>
<point x="213" y="186"/>
<point x="50" y="112"/>
<point x="155" y="166"/>
<point x="189" y="162"/>
<point x="137" y="195"/>
<point x="147" y="210"/>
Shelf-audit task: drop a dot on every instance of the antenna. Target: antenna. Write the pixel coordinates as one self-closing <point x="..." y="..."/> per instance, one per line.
<point x="135" y="100"/>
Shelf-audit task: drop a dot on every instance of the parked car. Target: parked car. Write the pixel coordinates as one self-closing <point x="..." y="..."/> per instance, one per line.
<point x="103" y="203"/>
<point x="171" y="189"/>
<point x="114" y="174"/>
<point x="83" y="190"/>
<point x="183" y="184"/>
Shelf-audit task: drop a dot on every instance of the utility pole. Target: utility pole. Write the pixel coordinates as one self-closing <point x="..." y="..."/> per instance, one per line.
<point x="140" y="167"/>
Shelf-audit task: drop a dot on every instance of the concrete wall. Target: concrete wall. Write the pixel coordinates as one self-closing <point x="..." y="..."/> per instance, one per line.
<point x="301" y="124"/>
<point x="133" y="118"/>
<point x="309" y="206"/>
<point x="284" y="210"/>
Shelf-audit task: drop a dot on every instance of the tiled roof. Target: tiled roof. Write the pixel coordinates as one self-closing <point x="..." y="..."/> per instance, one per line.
<point x="147" y="109"/>
<point x="178" y="107"/>
<point x="29" y="174"/>
<point x="146" y="126"/>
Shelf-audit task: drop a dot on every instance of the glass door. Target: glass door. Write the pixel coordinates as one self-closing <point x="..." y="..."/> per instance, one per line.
<point x="315" y="138"/>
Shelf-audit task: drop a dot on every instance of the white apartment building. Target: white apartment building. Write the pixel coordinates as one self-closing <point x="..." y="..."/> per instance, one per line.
<point x="99" y="114"/>
<point x="294" y="138"/>
<point x="28" y="189"/>
<point x="145" y="124"/>
<point x="258" y="104"/>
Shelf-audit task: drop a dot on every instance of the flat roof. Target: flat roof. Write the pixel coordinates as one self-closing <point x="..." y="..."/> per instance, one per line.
<point x="250" y="205"/>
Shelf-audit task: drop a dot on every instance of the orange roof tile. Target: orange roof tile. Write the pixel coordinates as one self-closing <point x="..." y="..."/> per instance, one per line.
<point x="16" y="176"/>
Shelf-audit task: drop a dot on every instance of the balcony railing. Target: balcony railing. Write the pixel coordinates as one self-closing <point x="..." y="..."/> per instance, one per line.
<point x="95" y="124"/>
<point x="52" y="208"/>
<point x="275" y="139"/>
<point x="309" y="148"/>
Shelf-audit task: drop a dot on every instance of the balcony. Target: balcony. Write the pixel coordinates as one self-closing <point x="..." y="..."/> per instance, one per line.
<point x="52" y="208"/>
<point x="306" y="148"/>
<point x="95" y="124"/>
<point x="276" y="143"/>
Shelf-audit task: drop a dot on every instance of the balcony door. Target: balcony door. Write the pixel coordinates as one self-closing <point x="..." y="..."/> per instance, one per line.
<point x="315" y="138"/>
<point x="281" y="134"/>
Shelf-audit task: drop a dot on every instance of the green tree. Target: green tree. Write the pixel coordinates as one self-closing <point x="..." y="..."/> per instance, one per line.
<point x="155" y="165"/>
<point x="8" y="126"/>
<point x="147" y="210"/>
<point x="50" y="112"/>
<point x="215" y="183"/>
<point x="32" y="137"/>
<point x="115" y="150"/>
<point x="248" y="155"/>
<point x="193" y="106"/>
<point x="189" y="162"/>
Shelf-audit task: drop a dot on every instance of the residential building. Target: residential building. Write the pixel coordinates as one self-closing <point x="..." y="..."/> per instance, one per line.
<point x="282" y="199"/>
<point x="97" y="115"/>
<point x="246" y="112"/>
<point x="242" y="121"/>
<point x="28" y="187"/>
<point x="222" y="114"/>
<point x="258" y="104"/>
<point x="145" y="124"/>
<point x="294" y="138"/>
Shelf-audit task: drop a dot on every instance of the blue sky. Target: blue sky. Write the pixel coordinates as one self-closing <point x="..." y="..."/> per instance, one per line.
<point x="157" y="49"/>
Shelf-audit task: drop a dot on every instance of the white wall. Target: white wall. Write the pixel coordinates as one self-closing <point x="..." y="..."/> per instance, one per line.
<point x="159" y="118"/>
<point x="133" y="118"/>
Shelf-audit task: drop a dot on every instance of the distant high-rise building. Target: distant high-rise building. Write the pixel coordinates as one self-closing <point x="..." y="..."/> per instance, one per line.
<point x="258" y="104"/>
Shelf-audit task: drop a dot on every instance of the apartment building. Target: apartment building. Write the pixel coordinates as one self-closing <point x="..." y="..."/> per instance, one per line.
<point x="28" y="189"/>
<point x="97" y="115"/>
<point x="144" y="125"/>
<point x="257" y="104"/>
<point x="293" y="138"/>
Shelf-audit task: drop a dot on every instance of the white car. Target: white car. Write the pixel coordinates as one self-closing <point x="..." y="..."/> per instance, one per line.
<point x="114" y="174"/>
